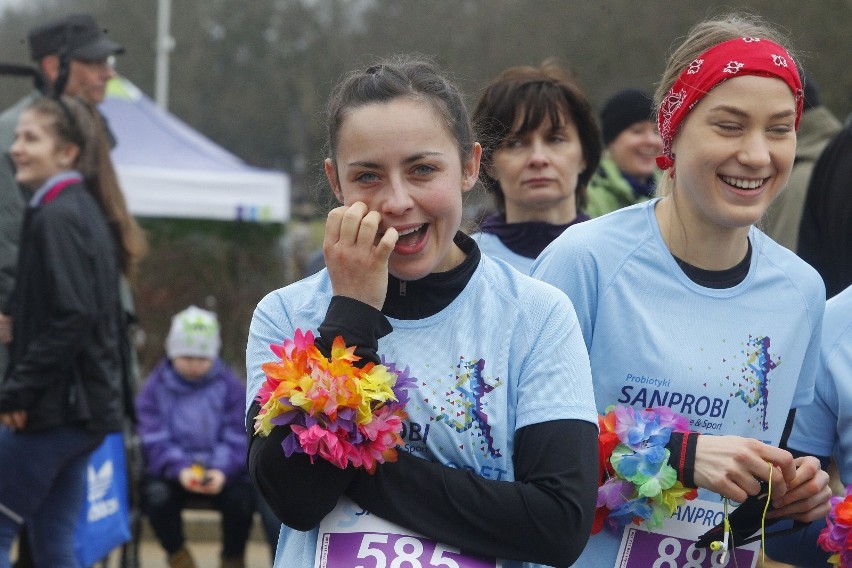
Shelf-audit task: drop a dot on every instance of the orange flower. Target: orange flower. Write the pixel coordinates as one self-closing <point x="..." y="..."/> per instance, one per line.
<point x="843" y="512"/>
<point x="607" y="441"/>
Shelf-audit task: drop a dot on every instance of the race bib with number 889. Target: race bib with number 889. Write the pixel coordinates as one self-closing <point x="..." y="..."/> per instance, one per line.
<point x="673" y="544"/>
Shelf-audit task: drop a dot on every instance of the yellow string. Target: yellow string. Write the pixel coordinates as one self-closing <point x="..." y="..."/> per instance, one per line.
<point x="727" y="524"/>
<point x="763" y="517"/>
<point x="726" y="532"/>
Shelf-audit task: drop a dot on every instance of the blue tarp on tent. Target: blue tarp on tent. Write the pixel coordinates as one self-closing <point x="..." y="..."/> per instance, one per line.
<point x="167" y="169"/>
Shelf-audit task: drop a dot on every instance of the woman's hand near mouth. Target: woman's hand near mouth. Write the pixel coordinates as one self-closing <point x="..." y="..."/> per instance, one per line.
<point x="356" y="254"/>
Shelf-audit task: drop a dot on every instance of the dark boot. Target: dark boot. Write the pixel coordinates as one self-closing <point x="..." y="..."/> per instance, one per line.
<point x="181" y="559"/>
<point x="233" y="563"/>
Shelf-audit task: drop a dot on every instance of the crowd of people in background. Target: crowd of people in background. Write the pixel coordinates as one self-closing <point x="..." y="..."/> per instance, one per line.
<point x="672" y="250"/>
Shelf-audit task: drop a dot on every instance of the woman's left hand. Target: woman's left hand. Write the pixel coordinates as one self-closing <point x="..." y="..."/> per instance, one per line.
<point x="808" y="494"/>
<point x="16" y="420"/>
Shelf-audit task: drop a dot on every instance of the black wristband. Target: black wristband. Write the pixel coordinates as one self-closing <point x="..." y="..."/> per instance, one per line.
<point x="689" y="460"/>
<point x="682" y="456"/>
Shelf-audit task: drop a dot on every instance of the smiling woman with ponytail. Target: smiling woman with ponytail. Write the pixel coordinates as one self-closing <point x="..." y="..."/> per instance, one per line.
<point x="61" y="393"/>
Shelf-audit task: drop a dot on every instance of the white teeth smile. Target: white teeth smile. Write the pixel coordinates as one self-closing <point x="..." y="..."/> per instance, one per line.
<point x="743" y="183"/>
<point x="409" y="231"/>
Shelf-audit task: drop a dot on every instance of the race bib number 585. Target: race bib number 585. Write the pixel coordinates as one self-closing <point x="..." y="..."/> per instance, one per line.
<point x="350" y="537"/>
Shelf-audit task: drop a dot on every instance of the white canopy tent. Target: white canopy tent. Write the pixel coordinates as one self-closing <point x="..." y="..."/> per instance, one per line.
<point x="167" y="169"/>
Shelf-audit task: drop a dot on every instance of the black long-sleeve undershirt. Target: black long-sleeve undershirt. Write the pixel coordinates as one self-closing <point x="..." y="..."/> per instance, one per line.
<point x="543" y="516"/>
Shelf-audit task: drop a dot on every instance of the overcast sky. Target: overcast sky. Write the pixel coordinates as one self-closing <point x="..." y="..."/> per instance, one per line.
<point x="12" y="4"/>
<point x="6" y="3"/>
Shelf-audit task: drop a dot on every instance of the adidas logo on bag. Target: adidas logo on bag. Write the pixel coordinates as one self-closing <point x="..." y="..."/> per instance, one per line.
<point x="100" y="483"/>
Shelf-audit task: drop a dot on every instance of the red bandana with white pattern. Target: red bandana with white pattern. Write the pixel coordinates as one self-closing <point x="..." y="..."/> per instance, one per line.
<point x="733" y="58"/>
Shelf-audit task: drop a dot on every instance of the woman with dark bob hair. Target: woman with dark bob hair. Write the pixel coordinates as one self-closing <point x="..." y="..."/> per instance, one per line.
<point x="540" y="147"/>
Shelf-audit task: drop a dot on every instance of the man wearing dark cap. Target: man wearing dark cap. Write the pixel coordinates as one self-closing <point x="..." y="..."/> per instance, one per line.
<point x="88" y="51"/>
<point x="628" y="172"/>
<point x="76" y="43"/>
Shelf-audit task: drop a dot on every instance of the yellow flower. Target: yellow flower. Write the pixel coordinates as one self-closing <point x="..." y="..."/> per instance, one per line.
<point x="263" y="421"/>
<point x="674" y="496"/>
<point x="374" y="388"/>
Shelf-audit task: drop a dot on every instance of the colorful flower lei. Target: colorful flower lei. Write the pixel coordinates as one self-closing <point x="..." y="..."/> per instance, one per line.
<point x="836" y="537"/>
<point x="337" y="411"/>
<point x="639" y="484"/>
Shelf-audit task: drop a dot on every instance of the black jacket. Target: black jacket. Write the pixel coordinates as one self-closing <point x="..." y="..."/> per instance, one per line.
<point x="65" y="362"/>
<point x="825" y="235"/>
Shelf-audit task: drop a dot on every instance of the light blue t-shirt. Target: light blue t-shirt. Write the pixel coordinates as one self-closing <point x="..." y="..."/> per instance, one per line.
<point x="492" y="246"/>
<point x="824" y="427"/>
<point x="505" y="354"/>
<point x="734" y="361"/>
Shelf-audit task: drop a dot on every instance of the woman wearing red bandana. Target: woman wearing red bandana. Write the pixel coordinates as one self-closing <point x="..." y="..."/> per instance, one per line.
<point x="685" y="304"/>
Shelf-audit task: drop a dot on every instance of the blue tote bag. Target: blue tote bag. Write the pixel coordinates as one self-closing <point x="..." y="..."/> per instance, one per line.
<point x="104" y="521"/>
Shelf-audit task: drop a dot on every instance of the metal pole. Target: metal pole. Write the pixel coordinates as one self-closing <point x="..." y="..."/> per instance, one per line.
<point x="165" y="44"/>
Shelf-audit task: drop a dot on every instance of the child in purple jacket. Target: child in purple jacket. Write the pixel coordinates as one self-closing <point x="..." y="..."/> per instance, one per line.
<point x="192" y="430"/>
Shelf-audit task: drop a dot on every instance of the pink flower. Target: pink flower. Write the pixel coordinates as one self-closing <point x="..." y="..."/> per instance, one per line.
<point x="383" y="425"/>
<point x="300" y="342"/>
<point x="629" y="426"/>
<point x="319" y="441"/>
<point x="382" y="435"/>
<point x="836" y="537"/>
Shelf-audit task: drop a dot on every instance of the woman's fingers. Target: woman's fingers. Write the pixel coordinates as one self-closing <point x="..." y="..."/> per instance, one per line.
<point x="351" y="227"/>
<point x="332" y="226"/>
<point x="16" y="420"/>
<point x="384" y="247"/>
<point x="808" y="495"/>
<point x="368" y="229"/>
<point x="734" y="466"/>
<point x="357" y="254"/>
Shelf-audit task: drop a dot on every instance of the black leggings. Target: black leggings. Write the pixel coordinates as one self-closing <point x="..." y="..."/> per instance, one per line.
<point x="163" y="500"/>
